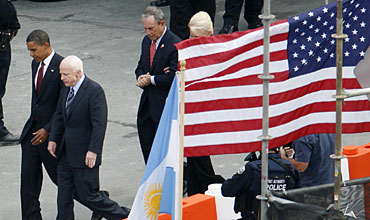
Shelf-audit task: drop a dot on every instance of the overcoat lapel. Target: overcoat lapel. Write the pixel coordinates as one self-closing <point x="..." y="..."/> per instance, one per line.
<point x="161" y="50"/>
<point x="48" y="74"/>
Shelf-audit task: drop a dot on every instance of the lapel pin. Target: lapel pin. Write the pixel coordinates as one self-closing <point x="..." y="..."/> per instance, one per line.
<point x="162" y="45"/>
<point x="52" y="70"/>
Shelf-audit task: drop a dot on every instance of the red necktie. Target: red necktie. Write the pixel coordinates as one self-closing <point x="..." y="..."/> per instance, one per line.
<point x="152" y="51"/>
<point x="39" y="78"/>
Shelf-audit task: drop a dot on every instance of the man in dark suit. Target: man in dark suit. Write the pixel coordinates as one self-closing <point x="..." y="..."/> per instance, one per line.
<point x="183" y="10"/>
<point x="46" y="85"/>
<point x="79" y="124"/>
<point x="155" y="71"/>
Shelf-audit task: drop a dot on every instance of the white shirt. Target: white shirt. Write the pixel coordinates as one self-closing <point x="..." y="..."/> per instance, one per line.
<point x="76" y="87"/>
<point x="46" y="61"/>
<point x="152" y="78"/>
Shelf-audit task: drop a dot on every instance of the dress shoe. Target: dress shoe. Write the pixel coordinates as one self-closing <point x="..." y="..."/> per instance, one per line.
<point x="126" y="211"/>
<point x="160" y="3"/>
<point x="9" y="139"/>
<point x="255" y="24"/>
<point x="96" y="216"/>
<point x="228" y="29"/>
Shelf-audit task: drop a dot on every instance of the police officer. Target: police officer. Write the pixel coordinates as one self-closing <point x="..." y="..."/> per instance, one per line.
<point x="245" y="185"/>
<point x="252" y="8"/>
<point x="183" y="10"/>
<point x="9" y="26"/>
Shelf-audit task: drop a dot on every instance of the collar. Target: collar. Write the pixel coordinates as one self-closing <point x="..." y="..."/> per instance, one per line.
<point x="159" y="39"/>
<point x="76" y="87"/>
<point x="47" y="60"/>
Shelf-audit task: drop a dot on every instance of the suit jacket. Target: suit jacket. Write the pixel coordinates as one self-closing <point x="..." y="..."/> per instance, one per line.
<point x="165" y="56"/>
<point x="84" y="128"/>
<point x="44" y="105"/>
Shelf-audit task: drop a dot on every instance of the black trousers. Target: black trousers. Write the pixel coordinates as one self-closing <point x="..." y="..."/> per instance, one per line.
<point x="31" y="175"/>
<point x="183" y="10"/>
<point x="147" y="128"/>
<point x="5" y="58"/>
<point x="199" y="174"/>
<point x="252" y="8"/>
<point x="84" y="183"/>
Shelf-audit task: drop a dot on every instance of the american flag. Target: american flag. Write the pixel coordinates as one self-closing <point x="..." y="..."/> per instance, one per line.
<point x="223" y="94"/>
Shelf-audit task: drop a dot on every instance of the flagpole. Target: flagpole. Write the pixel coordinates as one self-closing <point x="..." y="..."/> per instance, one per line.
<point x="339" y="36"/>
<point x="265" y="121"/>
<point x="181" y="150"/>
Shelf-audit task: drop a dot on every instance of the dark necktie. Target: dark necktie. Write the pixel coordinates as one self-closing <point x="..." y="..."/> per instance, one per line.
<point x="39" y="78"/>
<point x="70" y="97"/>
<point x="152" y="51"/>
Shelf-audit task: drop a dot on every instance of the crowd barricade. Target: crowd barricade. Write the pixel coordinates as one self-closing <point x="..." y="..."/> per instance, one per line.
<point x="316" y="202"/>
<point x="358" y="158"/>
<point x="196" y="207"/>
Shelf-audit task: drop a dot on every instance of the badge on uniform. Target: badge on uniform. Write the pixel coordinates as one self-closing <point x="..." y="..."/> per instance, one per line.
<point x="241" y="170"/>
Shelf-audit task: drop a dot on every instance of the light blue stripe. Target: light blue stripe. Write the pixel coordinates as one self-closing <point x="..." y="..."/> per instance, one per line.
<point x="162" y="137"/>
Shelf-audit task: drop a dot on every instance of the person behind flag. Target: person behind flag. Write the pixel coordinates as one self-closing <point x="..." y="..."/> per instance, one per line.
<point x="199" y="170"/>
<point x="245" y="185"/>
<point x="252" y="8"/>
<point x="312" y="158"/>
<point x="157" y="54"/>
<point x="183" y="10"/>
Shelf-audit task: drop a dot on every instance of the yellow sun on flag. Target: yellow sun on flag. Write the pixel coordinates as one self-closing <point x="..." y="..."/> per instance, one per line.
<point x="152" y="199"/>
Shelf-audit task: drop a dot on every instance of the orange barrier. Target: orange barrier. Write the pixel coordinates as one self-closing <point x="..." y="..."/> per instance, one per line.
<point x="358" y="160"/>
<point x="196" y="207"/>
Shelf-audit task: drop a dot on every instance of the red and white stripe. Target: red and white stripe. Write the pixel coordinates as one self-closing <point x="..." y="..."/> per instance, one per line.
<point x="223" y="95"/>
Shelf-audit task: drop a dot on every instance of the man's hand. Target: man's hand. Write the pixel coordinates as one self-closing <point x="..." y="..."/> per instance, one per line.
<point x="143" y="80"/>
<point x="90" y="159"/>
<point x="40" y="136"/>
<point x="166" y="70"/>
<point x="283" y="153"/>
<point x="52" y="146"/>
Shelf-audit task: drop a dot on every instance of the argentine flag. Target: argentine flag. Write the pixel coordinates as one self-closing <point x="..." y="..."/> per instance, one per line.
<point x="158" y="191"/>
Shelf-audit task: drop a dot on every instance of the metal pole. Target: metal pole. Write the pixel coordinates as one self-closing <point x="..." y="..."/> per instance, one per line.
<point x="326" y="2"/>
<point x="265" y="121"/>
<point x="355" y="92"/>
<point x="181" y="150"/>
<point x="339" y="103"/>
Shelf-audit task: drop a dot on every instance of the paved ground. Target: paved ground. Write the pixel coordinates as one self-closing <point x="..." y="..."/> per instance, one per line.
<point x="107" y="35"/>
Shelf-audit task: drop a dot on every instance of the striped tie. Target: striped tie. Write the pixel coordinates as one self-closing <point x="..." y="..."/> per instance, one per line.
<point x="152" y="51"/>
<point x="70" y="97"/>
<point x="40" y="76"/>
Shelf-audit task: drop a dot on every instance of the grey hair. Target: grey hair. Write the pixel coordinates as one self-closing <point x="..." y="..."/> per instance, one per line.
<point x="39" y="37"/>
<point x="75" y="63"/>
<point x="154" y="11"/>
<point x="201" y="24"/>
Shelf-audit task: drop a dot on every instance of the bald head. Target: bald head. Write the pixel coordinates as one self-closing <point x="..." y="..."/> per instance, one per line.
<point x="71" y="70"/>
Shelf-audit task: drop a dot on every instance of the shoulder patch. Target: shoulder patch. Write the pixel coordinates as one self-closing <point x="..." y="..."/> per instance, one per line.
<point x="241" y="170"/>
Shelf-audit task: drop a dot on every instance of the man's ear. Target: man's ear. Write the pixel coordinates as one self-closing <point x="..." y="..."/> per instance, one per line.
<point x="79" y="73"/>
<point x="46" y="44"/>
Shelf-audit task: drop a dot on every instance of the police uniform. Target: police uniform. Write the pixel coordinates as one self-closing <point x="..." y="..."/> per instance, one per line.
<point x="252" y="8"/>
<point x="8" y="28"/>
<point x="245" y="185"/>
<point x="183" y="10"/>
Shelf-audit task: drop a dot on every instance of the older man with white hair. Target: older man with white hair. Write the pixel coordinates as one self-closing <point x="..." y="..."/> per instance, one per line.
<point x="79" y="125"/>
